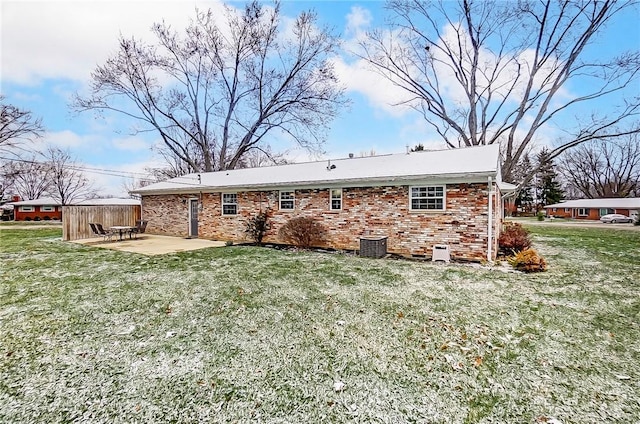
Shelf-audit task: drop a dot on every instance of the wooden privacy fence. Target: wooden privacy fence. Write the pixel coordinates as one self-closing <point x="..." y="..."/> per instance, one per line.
<point x="76" y="219"/>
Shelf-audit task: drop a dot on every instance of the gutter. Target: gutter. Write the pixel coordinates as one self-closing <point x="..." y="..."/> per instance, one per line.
<point x="490" y="229"/>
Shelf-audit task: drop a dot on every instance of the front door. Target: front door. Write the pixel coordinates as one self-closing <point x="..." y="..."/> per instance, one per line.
<point x="193" y="217"/>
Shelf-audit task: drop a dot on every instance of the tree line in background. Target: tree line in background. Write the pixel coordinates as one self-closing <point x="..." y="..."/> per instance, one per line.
<point x="218" y="93"/>
<point x="52" y="173"/>
<point x="597" y="169"/>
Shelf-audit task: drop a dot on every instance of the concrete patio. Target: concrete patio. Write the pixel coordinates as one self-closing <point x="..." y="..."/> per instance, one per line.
<point x="149" y="244"/>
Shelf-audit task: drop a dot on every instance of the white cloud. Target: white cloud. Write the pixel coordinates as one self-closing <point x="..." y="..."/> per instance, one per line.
<point x="68" y="139"/>
<point x="67" y="39"/>
<point x="382" y="94"/>
<point x="358" y="75"/>
<point x="132" y="144"/>
<point x="358" y="21"/>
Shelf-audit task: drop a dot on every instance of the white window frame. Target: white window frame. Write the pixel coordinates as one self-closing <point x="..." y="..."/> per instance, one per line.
<point x="47" y="208"/>
<point x="567" y="210"/>
<point x="27" y="209"/>
<point x="292" y="200"/>
<point x="428" y="187"/>
<point x="583" y="211"/>
<point x="332" y="199"/>
<point x="227" y="203"/>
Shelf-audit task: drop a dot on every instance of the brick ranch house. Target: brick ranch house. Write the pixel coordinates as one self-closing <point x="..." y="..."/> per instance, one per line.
<point x="593" y="209"/>
<point x="43" y="209"/>
<point x="416" y="200"/>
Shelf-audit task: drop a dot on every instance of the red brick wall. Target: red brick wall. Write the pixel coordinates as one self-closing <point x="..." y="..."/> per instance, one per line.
<point x="368" y="211"/>
<point x="560" y="212"/>
<point x="37" y="214"/>
<point x="594" y="213"/>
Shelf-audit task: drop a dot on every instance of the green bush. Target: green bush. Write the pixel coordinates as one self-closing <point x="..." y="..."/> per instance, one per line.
<point x="513" y="239"/>
<point x="257" y="227"/>
<point x="303" y="232"/>
<point x="528" y="261"/>
<point x="637" y="221"/>
<point x="540" y="216"/>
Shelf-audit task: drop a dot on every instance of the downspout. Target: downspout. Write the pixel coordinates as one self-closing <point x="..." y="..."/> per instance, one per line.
<point x="490" y="229"/>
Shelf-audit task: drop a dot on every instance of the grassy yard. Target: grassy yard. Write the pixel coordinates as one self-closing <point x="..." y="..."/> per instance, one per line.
<point x="244" y="334"/>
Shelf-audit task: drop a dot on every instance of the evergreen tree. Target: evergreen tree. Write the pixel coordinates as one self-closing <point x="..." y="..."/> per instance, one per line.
<point x="548" y="189"/>
<point x="524" y="200"/>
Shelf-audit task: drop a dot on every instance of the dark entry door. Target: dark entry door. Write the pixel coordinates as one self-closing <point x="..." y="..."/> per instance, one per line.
<point x="193" y="217"/>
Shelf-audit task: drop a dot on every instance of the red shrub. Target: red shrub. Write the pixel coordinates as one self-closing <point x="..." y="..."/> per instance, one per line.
<point x="513" y="239"/>
<point x="302" y="232"/>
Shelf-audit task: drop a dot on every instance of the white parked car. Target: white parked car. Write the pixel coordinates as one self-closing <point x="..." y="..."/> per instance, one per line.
<point x="612" y="218"/>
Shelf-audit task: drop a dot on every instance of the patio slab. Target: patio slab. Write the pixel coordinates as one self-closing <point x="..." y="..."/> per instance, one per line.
<point x="150" y="244"/>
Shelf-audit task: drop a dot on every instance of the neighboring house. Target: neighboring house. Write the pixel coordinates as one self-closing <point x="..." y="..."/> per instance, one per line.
<point x="417" y="200"/>
<point x="43" y="209"/>
<point x="595" y="208"/>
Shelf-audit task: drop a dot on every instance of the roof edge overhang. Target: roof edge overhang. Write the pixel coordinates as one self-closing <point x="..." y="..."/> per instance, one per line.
<point x="475" y="177"/>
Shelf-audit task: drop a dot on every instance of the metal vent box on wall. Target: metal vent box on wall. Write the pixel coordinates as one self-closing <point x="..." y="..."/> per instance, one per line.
<point x="373" y="247"/>
<point x="441" y="253"/>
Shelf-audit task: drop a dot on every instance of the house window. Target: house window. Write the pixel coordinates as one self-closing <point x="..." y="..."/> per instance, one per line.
<point x="336" y="199"/>
<point x="567" y="210"/>
<point x="605" y="211"/>
<point x="555" y="209"/>
<point x="27" y="209"/>
<point x="583" y="212"/>
<point x="229" y="203"/>
<point x="287" y="200"/>
<point x="427" y="198"/>
<point x="47" y="208"/>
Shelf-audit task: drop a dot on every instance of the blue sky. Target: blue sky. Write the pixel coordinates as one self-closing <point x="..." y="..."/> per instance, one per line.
<point x="50" y="48"/>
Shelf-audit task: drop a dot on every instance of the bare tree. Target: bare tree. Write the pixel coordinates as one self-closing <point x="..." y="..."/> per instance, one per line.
<point x="483" y="72"/>
<point x="16" y="126"/>
<point x="6" y="179"/>
<point x="174" y="164"/>
<point x="258" y="157"/>
<point x="224" y="86"/>
<point x="28" y="178"/>
<point x="133" y="184"/>
<point x="604" y="168"/>
<point x="68" y="183"/>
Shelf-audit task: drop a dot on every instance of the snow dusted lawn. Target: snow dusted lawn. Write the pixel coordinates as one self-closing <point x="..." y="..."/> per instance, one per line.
<point x="244" y="334"/>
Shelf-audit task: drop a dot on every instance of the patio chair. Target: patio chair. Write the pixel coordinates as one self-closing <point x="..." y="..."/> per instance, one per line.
<point x="141" y="227"/>
<point x="106" y="235"/>
<point x="94" y="230"/>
